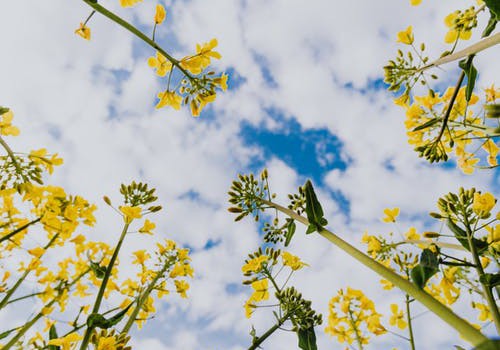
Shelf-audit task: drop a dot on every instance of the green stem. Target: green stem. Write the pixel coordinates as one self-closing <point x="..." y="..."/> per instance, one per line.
<point x="409" y="320"/>
<point x="105" y="12"/>
<point x="356" y="331"/>
<point x="102" y="288"/>
<point x="143" y="297"/>
<point x="35" y="319"/>
<point x="19" y="229"/>
<point x="256" y="343"/>
<point x="471" y="334"/>
<point x="487" y="290"/>
<point x="11" y="291"/>
<point x="12" y="157"/>
<point x="24" y="297"/>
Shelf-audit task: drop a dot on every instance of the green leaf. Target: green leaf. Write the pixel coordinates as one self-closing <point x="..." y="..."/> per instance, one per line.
<point x="314" y="210"/>
<point x="6" y="333"/>
<point x="429" y="259"/>
<point x="3" y="110"/>
<point x="99" y="271"/>
<point x="427" y="124"/>
<point x="461" y="236"/>
<point x="53" y="335"/>
<point x="471" y="73"/>
<point x="98" y="320"/>
<point x="490" y="279"/>
<point x="307" y="339"/>
<point x="290" y="231"/>
<point x="420" y="274"/>
<point x="490" y="27"/>
<point x="494" y="6"/>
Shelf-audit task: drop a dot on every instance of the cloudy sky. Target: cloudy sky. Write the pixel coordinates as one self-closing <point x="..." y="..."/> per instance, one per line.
<point x="305" y="99"/>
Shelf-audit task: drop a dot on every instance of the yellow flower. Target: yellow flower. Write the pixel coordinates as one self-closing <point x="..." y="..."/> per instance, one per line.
<point x="406" y="36"/>
<point x="169" y="98"/>
<point x="161" y="64"/>
<point x="390" y="215"/>
<point x="106" y="343"/>
<point x="181" y="288"/>
<point x="37" y="252"/>
<point x="147" y="227"/>
<point x="140" y="257"/>
<point x="493" y="237"/>
<point x="293" y="261"/>
<point x="483" y="203"/>
<point x="255" y="264"/>
<point x="6" y="127"/>
<point x="412" y="234"/>
<point x="249" y="307"/>
<point x="415" y="2"/>
<point x="221" y="81"/>
<point x="130" y="213"/>
<point x="65" y="342"/>
<point x="260" y="290"/>
<point x="160" y="14"/>
<point x="397" y="317"/>
<point x="128" y="3"/>
<point x="492" y="93"/>
<point x="83" y="31"/>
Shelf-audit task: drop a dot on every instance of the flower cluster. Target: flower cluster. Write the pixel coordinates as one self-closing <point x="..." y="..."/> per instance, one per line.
<point x="352" y="316"/>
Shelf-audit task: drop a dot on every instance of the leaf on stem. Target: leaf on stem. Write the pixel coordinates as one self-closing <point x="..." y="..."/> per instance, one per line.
<point x="427" y="268"/>
<point x="53" y="335"/>
<point x="461" y="236"/>
<point x="314" y="210"/>
<point x="290" y="230"/>
<point x="307" y="339"/>
<point x="471" y="73"/>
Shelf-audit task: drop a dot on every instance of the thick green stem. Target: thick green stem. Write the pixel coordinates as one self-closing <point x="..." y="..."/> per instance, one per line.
<point x="487" y="290"/>
<point x="256" y="343"/>
<point x="471" y="50"/>
<point x="409" y="320"/>
<point x="102" y="288"/>
<point x="120" y="21"/>
<point x="471" y="334"/>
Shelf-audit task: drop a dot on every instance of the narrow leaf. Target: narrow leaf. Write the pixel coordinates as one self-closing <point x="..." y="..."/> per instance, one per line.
<point x="53" y="335"/>
<point x="427" y="124"/>
<point x="289" y="232"/>
<point x="494" y="6"/>
<point x="314" y="210"/>
<point x="471" y="73"/>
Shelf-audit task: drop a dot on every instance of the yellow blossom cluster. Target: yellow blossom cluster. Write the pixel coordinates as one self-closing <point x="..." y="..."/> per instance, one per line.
<point x="352" y="316"/>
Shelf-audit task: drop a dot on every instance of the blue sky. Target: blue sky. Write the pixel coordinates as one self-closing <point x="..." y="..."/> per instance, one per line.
<point x="305" y="99"/>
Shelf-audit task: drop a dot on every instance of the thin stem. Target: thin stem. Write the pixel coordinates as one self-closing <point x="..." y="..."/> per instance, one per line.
<point x="356" y="333"/>
<point x="409" y="320"/>
<point x="143" y="297"/>
<point x="256" y="343"/>
<point x="469" y="333"/>
<point x="105" y="12"/>
<point x="21" y="279"/>
<point x="450" y="106"/>
<point x="40" y="314"/>
<point x="24" y="297"/>
<point x="12" y="157"/>
<point x="19" y="229"/>
<point x="487" y="290"/>
<point x="102" y="288"/>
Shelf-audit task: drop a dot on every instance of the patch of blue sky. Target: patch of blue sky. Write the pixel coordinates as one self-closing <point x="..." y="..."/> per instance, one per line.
<point x="264" y="69"/>
<point x="311" y="152"/>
